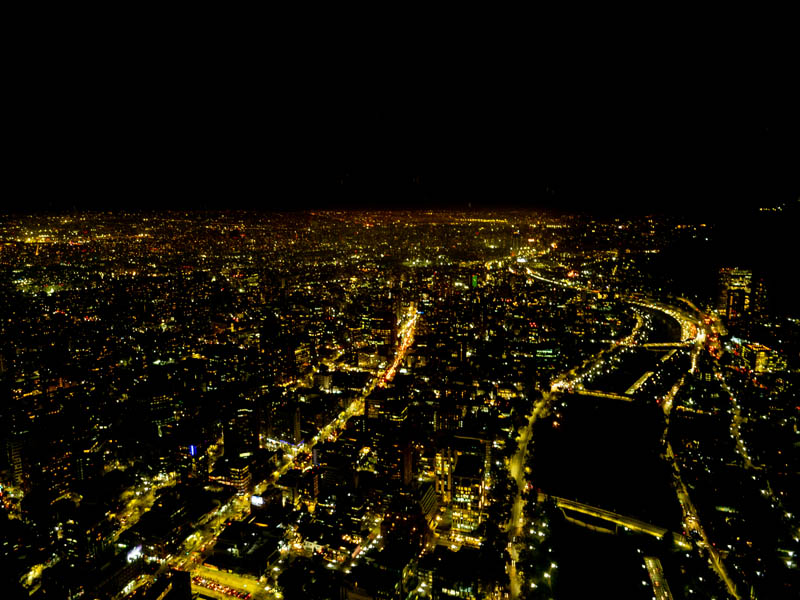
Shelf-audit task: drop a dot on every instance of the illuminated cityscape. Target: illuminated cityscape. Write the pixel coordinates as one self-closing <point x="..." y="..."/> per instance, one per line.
<point x="395" y="404"/>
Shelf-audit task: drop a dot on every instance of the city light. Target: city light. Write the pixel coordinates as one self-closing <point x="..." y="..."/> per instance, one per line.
<point x="359" y="403"/>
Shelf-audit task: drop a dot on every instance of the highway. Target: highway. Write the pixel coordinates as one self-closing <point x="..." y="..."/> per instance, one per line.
<point x="701" y="331"/>
<point x="516" y="469"/>
<point x="599" y="394"/>
<point x="689" y="325"/>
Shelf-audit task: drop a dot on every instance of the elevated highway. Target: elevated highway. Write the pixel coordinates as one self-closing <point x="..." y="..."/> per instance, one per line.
<point x="600" y="394"/>
<point x="620" y="520"/>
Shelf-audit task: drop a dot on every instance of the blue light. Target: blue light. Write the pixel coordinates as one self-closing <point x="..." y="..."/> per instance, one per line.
<point x="192" y="449"/>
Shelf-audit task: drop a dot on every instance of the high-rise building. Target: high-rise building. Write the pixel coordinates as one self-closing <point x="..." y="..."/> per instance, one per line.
<point x="444" y="463"/>
<point x="468" y="499"/>
<point x="14" y="447"/>
<point x="240" y="431"/>
<point x="761" y="359"/>
<point x="735" y="293"/>
<point x="515" y="242"/>
<point x="758" y="302"/>
<point x="240" y="476"/>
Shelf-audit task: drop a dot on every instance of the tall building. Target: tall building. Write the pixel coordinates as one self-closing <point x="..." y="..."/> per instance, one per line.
<point x="460" y="483"/>
<point x="515" y="242"/>
<point x="278" y="349"/>
<point x="469" y="498"/>
<point x="15" y="449"/>
<point x="240" y="431"/>
<point x="761" y="359"/>
<point x="735" y="293"/>
<point x="444" y="463"/>
<point x="758" y="303"/>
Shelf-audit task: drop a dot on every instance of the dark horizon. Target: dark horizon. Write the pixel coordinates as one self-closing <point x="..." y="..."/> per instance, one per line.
<point x="346" y="192"/>
<point x="666" y="156"/>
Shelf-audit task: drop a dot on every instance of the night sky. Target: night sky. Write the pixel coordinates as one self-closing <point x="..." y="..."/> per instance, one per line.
<point x="605" y="134"/>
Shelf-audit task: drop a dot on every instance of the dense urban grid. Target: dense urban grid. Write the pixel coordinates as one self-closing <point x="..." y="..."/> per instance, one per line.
<point x="383" y="404"/>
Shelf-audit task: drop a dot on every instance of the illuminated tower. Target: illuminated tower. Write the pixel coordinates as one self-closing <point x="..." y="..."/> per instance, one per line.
<point x="758" y="303"/>
<point x="469" y="498"/>
<point x="515" y="242"/>
<point x="240" y="431"/>
<point x="14" y="447"/>
<point x="296" y="433"/>
<point x="735" y="293"/>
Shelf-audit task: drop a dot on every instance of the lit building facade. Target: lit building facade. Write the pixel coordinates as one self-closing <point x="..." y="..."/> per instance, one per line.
<point x="734" y="293"/>
<point x="468" y="500"/>
<point x="761" y="359"/>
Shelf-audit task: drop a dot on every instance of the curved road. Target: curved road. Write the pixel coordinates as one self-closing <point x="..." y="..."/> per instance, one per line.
<point x="692" y="330"/>
<point x="516" y="468"/>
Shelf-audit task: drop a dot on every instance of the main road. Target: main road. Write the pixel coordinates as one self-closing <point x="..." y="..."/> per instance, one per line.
<point x="690" y="519"/>
<point x="516" y="468"/>
<point x="192" y="561"/>
<point x="356" y="407"/>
